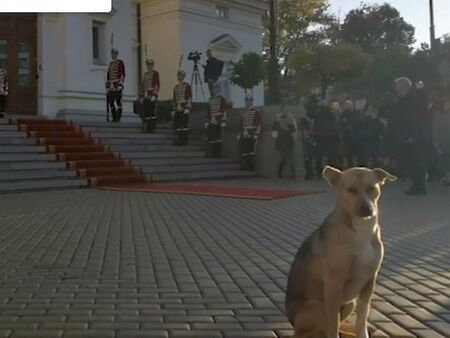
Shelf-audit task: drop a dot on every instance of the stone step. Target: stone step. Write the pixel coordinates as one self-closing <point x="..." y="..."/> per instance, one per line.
<point x="31" y="165"/>
<point x="39" y="174"/>
<point x="156" y="154"/>
<point x="41" y="185"/>
<point x="144" y="141"/>
<point x="12" y="134"/>
<point x="197" y="167"/>
<point x="88" y="124"/>
<point x="26" y="157"/>
<point x="22" y="149"/>
<point x="154" y="148"/>
<point x="172" y="161"/>
<point x="108" y="129"/>
<point x="8" y="127"/>
<point x="110" y="135"/>
<point x="19" y="141"/>
<point x="191" y="176"/>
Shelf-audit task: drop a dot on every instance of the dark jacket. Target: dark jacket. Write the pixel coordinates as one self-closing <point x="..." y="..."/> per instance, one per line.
<point x="326" y="131"/>
<point x="412" y="110"/>
<point x="213" y="69"/>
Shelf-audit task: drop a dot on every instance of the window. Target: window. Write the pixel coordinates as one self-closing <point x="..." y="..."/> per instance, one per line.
<point x="3" y="54"/>
<point x="98" y="45"/>
<point x="222" y="12"/>
<point x="24" y="64"/>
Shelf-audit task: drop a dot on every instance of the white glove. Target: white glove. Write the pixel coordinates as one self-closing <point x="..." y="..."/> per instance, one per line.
<point x="153" y="99"/>
<point x="238" y="137"/>
<point x="173" y="113"/>
<point x="179" y="108"/>
<point x="245" y="133"/>
<point x="213" y="121"/>
<point x="223" y="124"/>
<point x="274" y="134"/>
<point x="187" y="111"/>
<point x="206" y="125"/>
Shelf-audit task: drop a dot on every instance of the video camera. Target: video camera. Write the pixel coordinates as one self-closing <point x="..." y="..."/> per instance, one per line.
<point x="194" y="56"/>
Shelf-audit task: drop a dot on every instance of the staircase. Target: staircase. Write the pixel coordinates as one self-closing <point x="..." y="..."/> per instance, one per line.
<point x="155" y="155"/>
<point x="91" y="160"/>
<point x="26" y="166"/>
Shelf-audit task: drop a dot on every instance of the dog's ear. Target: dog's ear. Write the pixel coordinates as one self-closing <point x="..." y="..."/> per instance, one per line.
<point x="332" y="175"/>
<point x="383" y="176"/>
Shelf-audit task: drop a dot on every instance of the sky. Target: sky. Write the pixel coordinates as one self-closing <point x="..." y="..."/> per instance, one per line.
<point x="415" y="12"/>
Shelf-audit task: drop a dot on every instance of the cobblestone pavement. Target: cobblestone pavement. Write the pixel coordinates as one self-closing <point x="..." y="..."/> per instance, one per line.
<point x="116" y="264"/>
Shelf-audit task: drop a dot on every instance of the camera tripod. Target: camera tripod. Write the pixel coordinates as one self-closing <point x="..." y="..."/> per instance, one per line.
<point x="196" y="80"/>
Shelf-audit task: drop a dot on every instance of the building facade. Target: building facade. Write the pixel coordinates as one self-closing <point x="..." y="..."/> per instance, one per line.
<point x="59" y="61"/>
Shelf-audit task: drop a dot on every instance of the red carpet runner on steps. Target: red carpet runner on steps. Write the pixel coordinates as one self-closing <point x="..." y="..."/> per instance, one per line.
<point x="87" y="156"/>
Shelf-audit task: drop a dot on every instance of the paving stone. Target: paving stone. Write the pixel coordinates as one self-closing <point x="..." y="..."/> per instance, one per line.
<point x="90" y="333"/>
<point x="37" y="333"/>
<point x="142" y="334"/>
<point x="427" y="333"/>
<point x="250" y="334"/>
<point x="196" y="333"/>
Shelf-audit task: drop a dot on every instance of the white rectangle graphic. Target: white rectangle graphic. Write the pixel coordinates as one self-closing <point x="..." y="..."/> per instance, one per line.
<point x="55" y="6"/>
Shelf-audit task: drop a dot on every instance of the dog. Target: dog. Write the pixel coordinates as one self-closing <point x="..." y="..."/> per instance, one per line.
<point x="334" y="271"/>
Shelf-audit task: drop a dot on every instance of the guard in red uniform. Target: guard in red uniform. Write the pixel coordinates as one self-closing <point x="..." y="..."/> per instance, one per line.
<point x="4" y="91"/>
<point x="216" y="120"/>
<point x="115" y="84"/>
<point x="150" y="91"/>
<point x="182" y="101"/>
<point x="249" y="134"/>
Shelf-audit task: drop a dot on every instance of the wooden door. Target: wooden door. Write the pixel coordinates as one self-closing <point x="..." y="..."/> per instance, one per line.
<point x="18" y="55"/>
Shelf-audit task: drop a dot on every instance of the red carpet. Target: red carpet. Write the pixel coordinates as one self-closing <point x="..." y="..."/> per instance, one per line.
<point x="92" y="161"/>
<point x="207" y="190"/>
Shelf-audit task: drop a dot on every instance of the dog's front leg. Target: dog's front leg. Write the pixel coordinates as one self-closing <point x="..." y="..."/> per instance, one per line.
<point x="363" y="307"/>
<point x="333" y="301"/>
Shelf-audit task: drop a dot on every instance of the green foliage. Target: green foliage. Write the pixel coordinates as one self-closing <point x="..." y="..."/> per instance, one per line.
<point x="297" y="21"/>
<point x="249" y="71"/>
<point x="376" y="27"/>
<point x="326" y="65"/>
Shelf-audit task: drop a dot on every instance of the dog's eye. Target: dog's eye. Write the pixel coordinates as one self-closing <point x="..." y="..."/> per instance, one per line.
<point x="353" y="191"/>
<point x="371" y="189"/>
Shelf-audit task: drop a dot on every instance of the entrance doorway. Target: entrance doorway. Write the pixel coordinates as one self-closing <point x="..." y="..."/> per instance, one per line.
<point x="18" y="56"/>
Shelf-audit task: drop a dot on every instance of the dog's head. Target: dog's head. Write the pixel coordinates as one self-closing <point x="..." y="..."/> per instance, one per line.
<point x="358" y="189"/>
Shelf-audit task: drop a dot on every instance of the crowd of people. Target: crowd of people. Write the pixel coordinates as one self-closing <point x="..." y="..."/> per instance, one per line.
<point x="410" y="135"/>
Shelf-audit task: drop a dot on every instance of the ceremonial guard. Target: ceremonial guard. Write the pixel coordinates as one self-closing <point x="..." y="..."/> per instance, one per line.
<point x="309" y="145"/>
<point x="150" y="91"/>
<point x="182" y="101"/>
<point x="3" y="91"/>
<point x="216" y="120"/>
<point x="114" y="86"/>
<point x="249" y="134"/>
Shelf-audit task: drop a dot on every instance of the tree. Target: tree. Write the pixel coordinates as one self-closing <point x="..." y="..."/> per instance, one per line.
<point x="295" y="22"/>
<point x="321" y="66"/>
<point x="248" y="72"/>
<point x="376" y="27"/>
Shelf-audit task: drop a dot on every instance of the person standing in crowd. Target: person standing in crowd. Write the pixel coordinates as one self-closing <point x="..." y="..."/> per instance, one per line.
<point x="312" y="106"/>
<point x="4" y="91"/>
<point x="213" y="70"/>
<point x="249" y="134"/>
<point x="308" y="144"/>
<point x="216" y="120"/>
<point x="430" y="150"/>
<point x="150" y="90"/>
<point x="413" y="110"/>
<point x="182" y="102"/>
<point x="351" y="124"/>
<point x="115" y="85"/>
<point x="441" y="133"/>
<point x="371" y="137"/>
<point x="284" y="130"/>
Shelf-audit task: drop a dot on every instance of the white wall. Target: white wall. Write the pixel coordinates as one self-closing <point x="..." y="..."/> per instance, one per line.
<point x="199" y="27"/>
<point x="160" y="33"/>
<point x="69" y="79"/>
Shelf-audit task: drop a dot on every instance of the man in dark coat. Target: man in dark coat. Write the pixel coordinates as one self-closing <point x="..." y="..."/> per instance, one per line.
<point x="412" y="109"/>
<point x="213" y="70"/>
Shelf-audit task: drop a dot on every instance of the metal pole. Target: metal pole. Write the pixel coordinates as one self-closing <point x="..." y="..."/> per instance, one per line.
<point x="273" y="67"/>
<point x="432" y="29"/>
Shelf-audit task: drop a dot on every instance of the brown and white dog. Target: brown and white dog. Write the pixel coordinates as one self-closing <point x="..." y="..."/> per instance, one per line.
<point x="335" y="269"/>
